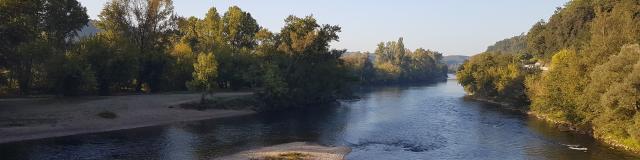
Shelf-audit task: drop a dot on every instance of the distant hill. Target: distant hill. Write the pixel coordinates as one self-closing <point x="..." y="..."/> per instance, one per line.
<point x="89" y="30"/>
<point x="454" y="61"/>
<point x="372" y="56"/>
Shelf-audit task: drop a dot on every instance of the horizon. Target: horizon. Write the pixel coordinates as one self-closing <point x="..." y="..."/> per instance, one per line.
<point x="483" y="23"/>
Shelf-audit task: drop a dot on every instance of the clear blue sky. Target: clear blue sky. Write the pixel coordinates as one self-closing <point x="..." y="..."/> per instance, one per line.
<point x="454" y="27"/>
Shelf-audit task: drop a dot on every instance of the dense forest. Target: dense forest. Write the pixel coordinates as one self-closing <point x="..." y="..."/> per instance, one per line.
<point x="581" y="67"/>
<point x="143" y="46"/>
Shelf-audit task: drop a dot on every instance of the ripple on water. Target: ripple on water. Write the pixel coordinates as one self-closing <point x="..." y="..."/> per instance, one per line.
<point x="413" y="145"/>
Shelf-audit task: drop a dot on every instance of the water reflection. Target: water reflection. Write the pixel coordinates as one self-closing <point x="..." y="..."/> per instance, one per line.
<point x="407" y="122"/>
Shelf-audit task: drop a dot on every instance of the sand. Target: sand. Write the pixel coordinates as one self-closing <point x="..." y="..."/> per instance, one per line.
<point x="26" y="119"/>
<point x="309" y="150"/>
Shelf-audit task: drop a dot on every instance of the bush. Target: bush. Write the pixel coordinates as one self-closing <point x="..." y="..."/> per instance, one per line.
<point x="73" y="77"/>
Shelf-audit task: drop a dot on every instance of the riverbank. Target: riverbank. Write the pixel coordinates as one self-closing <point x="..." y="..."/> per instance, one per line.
<point x="568" y="126"/>
<point x="26" y="119"/>
<point x="503" y="104"/>
<point x="559" y="124"/>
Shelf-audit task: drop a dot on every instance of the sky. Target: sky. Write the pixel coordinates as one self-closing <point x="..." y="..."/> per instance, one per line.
<point x="453" y="27"/>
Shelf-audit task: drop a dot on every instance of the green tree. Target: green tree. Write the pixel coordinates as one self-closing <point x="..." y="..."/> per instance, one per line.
<point x="148" y="24"/>
<point x="494" y="76"/>
<point x="305" y="68"/>
<point x="211" y="31"/>
<point x="360" y="66"/>
<point x="36" y="23"/>
<point x="396" y="64"/>
<point x="182" y="68"/>
<point x="112" y="63"/>
<point x="204" y="74"/>
<point x="62" y="19"/>
<point x="73" y="76"/>
<point x="20" y="19"/>
<point x="26" y="61"/>
<point x="614" y="102"/>
<point x="237" y="60"/>
<point x="239" y="28"/>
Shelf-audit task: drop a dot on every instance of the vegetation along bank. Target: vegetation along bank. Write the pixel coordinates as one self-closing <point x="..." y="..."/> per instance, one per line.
<point x="581" y="67"/>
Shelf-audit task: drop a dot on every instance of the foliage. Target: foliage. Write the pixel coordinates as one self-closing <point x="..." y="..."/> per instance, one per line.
<point x="205" y="72"/>
<point x="616" y="96"/>
<point x="361" y="66"/>
<point x="304" y="70"/>
<point x="276" y="90"/>
<point x="574" y="87"/>
<point x="394" y="63"/>
<point x="26" y="63"/>
<point x="239" y="28"/>
<point x="148" y="25"/>
<point x="39" y="24"/>
<point x="73" y="77"/>
<point x="232" y="38"/>
<point x="62" y="20"/>
<point x="558" y="91"/>
<point x="112" y="63"/>
<point x="517" y="45"/>
<point x="591" y="50"/>
<point x="143" y="46"/>
<point x="568" y="28"/>
<point x="182" y="68"/>
<point x="494" y="76"/>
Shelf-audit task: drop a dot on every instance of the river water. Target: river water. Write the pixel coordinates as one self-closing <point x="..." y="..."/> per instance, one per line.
<point x="412" y="122"/>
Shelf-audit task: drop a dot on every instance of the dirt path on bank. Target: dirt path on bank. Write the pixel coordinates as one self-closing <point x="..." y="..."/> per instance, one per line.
<point x="24" y="119"/>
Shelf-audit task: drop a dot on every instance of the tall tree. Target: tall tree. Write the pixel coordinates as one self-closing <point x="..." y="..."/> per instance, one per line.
<point x="306" y="70"/>
<point x="62" y="21"/>
<point x="20" y="24"/>
<point x="240" y="28"/>
<point x="204" y="74"/>
<point x="20" y="21"/>
<point x="35" y="25"/>
<point x="148" y="24"/>
<point x="210" y="31"/>
<point x="237" y="62"/>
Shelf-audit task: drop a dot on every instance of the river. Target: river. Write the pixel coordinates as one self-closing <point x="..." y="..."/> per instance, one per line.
<point x="410" y="122"/>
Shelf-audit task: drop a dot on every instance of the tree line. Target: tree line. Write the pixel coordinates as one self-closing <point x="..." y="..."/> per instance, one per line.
<point x="392" y="63"/>
<point x="143" y="46"/>
<point x="588" y="73"/>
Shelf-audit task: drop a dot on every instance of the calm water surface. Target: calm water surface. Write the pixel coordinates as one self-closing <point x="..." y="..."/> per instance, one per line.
<point x="419" y="122"/>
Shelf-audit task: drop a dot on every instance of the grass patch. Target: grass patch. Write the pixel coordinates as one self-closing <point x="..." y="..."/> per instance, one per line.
<point x="107" y="115"/>
<point x="287" y="156"/>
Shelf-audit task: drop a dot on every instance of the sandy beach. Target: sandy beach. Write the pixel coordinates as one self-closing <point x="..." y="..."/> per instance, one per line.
<point x="25" y="119"/>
